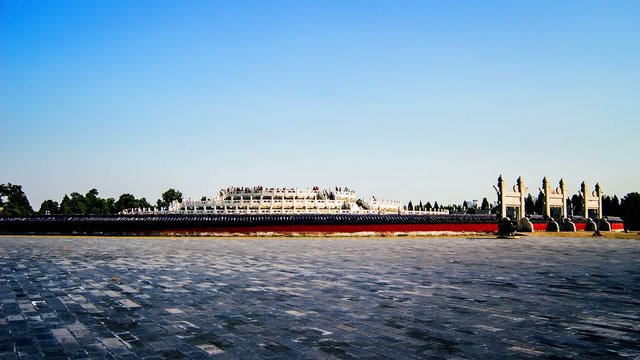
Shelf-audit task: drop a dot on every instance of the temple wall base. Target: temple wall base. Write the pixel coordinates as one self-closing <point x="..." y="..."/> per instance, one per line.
<point x="603" y="225"/>
<point x="525" y="225"/>
<point x="568" y="225"/>
<point x="552" y="226"/>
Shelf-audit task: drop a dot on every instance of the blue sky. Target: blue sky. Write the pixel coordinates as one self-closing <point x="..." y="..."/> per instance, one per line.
<point x="421" y="100"/>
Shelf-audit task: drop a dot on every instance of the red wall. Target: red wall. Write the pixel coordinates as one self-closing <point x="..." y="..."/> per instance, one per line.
<point x="348" y="228"/>
<point x="378" y="228"/>
<point x="617" y="226"/>
<point x="539" y="226"/>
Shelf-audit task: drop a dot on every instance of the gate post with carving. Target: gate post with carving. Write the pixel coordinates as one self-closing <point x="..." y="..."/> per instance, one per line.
<point x="521" y="190"/>
<point x="513" y="198"/>
<point x="591" y="201"/>
<point x="563" y="192"/>
<point x="554" y="197"/>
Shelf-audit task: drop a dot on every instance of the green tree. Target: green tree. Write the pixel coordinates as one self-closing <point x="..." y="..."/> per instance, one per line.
<point x="607" y="205"/>
<point x="577" y="205"/>
<point x="529" y="205"/>
<point x="429" y="208"/>
<point x="95" y="204"/>
<point x="110" y="205"/>
<point x="64" y="205"/>
<point x="538" y="207"/>
<point x="420" y="206"/>
<point x="615" y="206"/>
<point x="49" y="207"/>
<point x="485" y="204"/>
<point x="13" y="201"/>
<point x="436" y="206"/>
<point x="410" y="206"/>
<point x="126" y="201"/>
<point x="168" y="197"/>
<point x="143" y="203"/>
<point x="630" y="211"/>
<point x="74" y="204"/>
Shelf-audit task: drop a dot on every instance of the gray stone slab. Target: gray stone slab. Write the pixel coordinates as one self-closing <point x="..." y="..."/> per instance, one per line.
<point x="131" y="298"/>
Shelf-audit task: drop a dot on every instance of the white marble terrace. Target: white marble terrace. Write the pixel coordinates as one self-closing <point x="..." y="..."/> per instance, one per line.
<point x="260" y="200"/>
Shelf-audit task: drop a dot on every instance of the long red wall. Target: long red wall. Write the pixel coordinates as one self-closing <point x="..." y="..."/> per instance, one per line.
<point x="345" y="228"/>
<point x="379" y="228"/>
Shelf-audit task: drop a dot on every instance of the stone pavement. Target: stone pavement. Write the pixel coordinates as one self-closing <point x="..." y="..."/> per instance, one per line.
<point x="398" y="298"/>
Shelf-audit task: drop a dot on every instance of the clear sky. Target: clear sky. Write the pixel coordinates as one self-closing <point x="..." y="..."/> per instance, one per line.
<point x="408" y="100"/>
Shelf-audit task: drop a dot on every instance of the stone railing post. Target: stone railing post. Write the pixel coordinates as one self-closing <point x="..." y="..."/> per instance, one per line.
<point x="500" y="190"/>
<point x="521" y="189"/>
<point x="563" y="191"/>
<point x="545" y="191"/>
<point x="584" y="189"/>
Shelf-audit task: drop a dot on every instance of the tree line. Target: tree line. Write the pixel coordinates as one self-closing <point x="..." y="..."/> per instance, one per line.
<point x="14" y="202"/>
<point x="466" y="207"/>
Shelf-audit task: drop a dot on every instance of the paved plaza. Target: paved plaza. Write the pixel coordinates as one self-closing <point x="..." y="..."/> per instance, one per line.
<point x="397" y="298"/>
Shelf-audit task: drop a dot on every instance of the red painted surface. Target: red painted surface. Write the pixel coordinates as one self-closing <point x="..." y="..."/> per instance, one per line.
<point x="581" y="226"/>
<point x="617" y="226"/>
<point x="345" y="228"/>
<point x="540" y="226"/>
